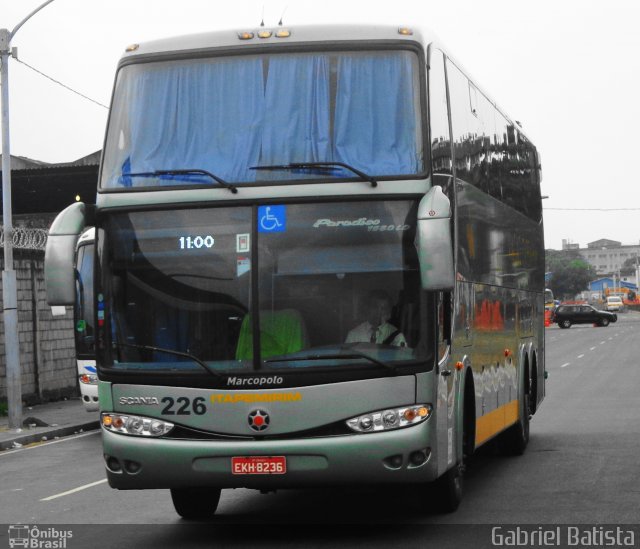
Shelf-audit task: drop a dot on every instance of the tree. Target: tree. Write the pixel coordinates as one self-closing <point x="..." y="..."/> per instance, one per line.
<point x="629" y="267"/>
<point x="570" y="273"/>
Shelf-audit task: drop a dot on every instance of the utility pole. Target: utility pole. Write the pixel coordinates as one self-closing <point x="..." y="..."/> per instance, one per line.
<point x="637" y="278"/>
<point x="9" y="287"/>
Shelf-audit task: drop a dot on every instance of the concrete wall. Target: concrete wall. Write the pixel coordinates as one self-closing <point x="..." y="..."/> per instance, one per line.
<point x="47" y="353"/>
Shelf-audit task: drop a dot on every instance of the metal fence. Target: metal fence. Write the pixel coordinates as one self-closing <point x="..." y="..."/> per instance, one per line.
<point x="26" y="238"/>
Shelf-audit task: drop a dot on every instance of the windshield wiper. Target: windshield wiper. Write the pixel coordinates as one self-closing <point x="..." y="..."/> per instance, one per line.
<point x="159" y="173"/>
<point x="325" y="165"/>
<point x="170" y="352"/>
<point x="351" y="355"/>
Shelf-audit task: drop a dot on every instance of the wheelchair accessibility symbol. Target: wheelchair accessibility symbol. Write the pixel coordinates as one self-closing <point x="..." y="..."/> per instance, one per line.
<point x="272" y="219"/>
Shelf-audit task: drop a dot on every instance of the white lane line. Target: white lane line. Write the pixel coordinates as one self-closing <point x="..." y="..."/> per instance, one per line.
<point x="580" y="356"/>
<point x="78" y="489"/>
<point x="565" y="365"/>
<point x="48" y="443"/>
<point x="591" y="348"/>
<point x="602" y="342"/>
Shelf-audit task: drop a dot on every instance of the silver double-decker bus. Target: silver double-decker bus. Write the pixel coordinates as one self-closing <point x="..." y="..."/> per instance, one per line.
<point x="319" y="260"/>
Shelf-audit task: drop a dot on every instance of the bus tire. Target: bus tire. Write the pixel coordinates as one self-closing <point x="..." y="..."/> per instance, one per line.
<point x="450" y="486"/>
<point x="516" y="437"/>
<point x="195" y="503"/>
<point x="449" y="489"/>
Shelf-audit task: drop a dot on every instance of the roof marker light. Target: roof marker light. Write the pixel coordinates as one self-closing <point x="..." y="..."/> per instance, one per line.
<point x="132" y="47"/>
<point x="265" y="34"/>
<point x="245" y="35"/>
<point x="405" y="31"/>
<point x="283" y="33"/>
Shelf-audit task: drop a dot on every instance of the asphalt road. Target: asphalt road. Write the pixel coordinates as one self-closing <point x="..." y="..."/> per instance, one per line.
<point x="582" y="466"/>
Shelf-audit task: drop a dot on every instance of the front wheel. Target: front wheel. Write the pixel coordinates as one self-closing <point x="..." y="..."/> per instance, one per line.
<point x="604" y="322"/>
<point x="449" y="489"/>
<point x="195" y="503"/>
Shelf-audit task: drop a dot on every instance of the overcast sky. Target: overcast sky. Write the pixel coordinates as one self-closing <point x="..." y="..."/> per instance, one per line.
<point x="568" y="70"/>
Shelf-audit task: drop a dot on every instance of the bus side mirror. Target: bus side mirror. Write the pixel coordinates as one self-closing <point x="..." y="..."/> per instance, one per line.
<point x="433" y="241"/>
<point x="59" y="254"/>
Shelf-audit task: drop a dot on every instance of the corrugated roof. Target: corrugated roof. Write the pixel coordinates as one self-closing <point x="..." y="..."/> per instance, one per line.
<point x="23" y="163"/>
<point x="40" y="187"/>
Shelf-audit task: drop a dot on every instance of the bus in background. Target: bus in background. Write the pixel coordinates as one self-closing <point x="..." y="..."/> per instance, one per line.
<point x="83" y="320"/>
<point x="319" y="261"/>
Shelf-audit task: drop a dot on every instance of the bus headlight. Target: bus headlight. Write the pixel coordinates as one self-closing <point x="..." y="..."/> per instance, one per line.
<point x="135" y="425"/>
<point x="392" y="418"/>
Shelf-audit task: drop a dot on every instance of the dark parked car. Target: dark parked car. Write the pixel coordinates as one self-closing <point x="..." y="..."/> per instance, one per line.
<point x="566" y="315"/>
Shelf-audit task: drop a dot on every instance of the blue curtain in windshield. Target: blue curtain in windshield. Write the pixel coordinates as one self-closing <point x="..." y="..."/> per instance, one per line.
<point x="171" y="331"/>
<point x="177" y="123"/>
<point x="375" y="125"/>
<point x="296" y="127"/>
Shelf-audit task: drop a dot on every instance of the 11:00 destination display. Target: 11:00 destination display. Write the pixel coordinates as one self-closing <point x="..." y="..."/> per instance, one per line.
<point x="196" y="242"/>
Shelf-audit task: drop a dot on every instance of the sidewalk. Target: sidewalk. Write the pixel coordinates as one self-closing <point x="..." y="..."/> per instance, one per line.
<point x="46" y="422"/>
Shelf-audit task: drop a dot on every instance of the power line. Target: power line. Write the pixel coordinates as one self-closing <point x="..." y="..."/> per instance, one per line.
<point x="594" y="209"/>
<point x="61" y="84"/>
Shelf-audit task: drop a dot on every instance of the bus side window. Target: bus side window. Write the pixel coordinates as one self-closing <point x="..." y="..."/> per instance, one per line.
<point x="441" y="161"/>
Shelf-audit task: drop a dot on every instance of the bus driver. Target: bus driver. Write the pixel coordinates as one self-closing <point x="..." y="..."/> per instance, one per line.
<point x="376" y="328"/>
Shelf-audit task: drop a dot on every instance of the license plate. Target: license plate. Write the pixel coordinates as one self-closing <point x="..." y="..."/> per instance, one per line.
<point x="259" y="465"/>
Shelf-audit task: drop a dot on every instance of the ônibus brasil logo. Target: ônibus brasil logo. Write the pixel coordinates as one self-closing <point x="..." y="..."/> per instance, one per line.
<point x="23" y="535"/>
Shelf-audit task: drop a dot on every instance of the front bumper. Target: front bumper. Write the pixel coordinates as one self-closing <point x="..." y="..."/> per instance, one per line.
<point x="90" y="399"/>
<point x="147" y="463"/>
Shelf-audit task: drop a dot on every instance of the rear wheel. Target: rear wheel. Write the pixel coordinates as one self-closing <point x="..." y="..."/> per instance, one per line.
<point x="195" y="503"/>
<point x="566" y="323"/>
<point x="516" y="438"/>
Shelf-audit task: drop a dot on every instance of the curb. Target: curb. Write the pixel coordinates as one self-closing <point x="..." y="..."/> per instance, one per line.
<point x="30" y="438"/>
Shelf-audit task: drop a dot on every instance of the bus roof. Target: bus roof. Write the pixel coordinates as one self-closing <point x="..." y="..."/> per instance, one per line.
<point x="298" y="34"/>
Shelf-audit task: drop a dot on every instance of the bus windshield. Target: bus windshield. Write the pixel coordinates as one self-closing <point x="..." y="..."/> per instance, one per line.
<point x="306" y="277"/>
<point x="227" y="115"/>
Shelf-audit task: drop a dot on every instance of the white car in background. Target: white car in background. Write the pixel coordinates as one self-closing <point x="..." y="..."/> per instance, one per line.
<point x="614" y="303"/>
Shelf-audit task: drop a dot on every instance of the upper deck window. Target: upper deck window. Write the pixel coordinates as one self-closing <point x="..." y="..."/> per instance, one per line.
<point x="227" y="114"/>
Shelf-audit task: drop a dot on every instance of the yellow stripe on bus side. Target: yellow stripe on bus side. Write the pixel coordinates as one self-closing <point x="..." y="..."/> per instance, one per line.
<point x="495" y="421"/>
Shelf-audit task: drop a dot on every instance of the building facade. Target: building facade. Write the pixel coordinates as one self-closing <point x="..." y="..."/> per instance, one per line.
<point x="608" y="256"/>
<point x="46" y="343"/>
